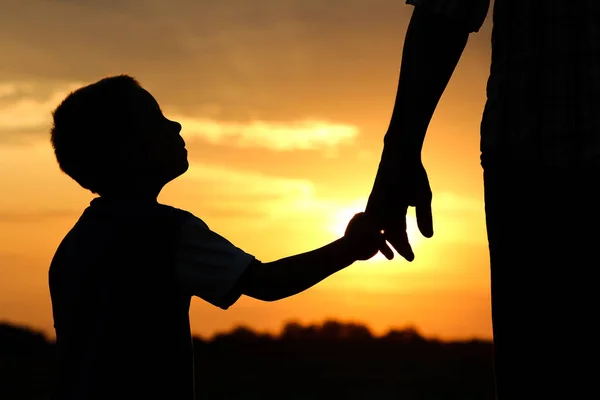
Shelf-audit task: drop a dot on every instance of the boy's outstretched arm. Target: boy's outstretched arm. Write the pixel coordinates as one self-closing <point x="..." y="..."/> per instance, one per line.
<point x="210" y="267"/>
<point x="291" y="275"/>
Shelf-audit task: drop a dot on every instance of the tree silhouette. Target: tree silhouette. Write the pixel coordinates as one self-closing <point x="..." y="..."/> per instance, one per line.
<point x="331" y="360"/>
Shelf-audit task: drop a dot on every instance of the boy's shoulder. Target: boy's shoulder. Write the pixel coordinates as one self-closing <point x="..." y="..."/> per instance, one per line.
<point x="105" y="224"/>
<point x="107" y="217"/>
<point x="123" y="210"/>
<point x="104" y="218"/>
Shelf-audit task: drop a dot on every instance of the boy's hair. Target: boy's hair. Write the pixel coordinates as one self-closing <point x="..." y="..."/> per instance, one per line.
<point x="89" y="126"/>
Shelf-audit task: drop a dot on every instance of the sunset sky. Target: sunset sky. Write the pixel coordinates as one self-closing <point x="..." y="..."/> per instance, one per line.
<point x="284" y="105"/>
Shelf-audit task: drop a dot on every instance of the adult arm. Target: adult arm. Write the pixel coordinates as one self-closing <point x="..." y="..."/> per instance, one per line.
<point x="436" y="37"/>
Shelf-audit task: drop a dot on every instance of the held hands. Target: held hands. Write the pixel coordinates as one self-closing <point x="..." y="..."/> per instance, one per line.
<point x="401" y="182"/>
<point x="363" y="237"/>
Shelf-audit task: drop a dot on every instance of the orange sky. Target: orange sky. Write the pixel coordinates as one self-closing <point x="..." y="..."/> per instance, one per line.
<point x="284" y="104"/>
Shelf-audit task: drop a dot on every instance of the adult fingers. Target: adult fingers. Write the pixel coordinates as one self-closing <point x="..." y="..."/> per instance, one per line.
<point x="386" y="251"/>
<point x="425" y="219"/>
<point x="397" y="237"/>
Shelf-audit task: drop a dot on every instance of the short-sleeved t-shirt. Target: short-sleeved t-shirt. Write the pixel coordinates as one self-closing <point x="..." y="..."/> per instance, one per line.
<point x="209" y="265"/>
<point x="121" y="283"/>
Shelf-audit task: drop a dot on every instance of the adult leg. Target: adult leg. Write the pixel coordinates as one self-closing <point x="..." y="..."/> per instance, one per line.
<point x="543" y="237"/>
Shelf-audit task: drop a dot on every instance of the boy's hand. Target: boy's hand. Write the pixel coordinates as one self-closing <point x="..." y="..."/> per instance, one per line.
<point x="364" y="238"/>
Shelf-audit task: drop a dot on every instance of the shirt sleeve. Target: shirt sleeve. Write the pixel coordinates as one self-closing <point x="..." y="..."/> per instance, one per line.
<point x="471" y="12"/>
<point x="208" y="265"/>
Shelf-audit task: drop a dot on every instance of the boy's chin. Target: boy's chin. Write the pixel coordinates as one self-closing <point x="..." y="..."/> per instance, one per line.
<point x="185" y="165"/>
<point x="180" y="169"/>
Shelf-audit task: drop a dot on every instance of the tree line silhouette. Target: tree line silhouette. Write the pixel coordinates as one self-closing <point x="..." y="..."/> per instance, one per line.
<point x="330" y="360"/>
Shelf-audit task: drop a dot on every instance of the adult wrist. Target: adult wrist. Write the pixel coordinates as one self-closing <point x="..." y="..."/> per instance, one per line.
<point x="400" y="145"/>
<point x="398" y="153"/>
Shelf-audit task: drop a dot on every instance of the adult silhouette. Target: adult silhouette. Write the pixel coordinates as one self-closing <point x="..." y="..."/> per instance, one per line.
<point x="540" y="153"/>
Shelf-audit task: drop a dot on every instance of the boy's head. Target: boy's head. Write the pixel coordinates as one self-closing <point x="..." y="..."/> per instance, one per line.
<point x="111" y="137"/>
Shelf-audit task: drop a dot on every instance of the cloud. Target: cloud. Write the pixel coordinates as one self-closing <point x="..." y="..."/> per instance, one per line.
<point x="237" y="187"/>
<point x="234" y="60"/>
<point x="267" y="60"/>
<point x="301" y="135"/>
<point x="220" y="183"/>
<point x="258" y="198"/>
<point x="26" y="109"/>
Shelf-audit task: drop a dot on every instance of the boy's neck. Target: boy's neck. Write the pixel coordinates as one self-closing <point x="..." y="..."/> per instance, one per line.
<point x="130" y="198"/>
<point x="133" y="195"/>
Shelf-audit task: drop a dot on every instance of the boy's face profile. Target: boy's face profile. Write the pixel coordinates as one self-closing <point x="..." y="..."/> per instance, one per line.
<point x="112" y="138"/>
<point x="157" y="149"/>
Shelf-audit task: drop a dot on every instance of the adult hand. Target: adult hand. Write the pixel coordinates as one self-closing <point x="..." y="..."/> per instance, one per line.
<point x="401" y="182"/>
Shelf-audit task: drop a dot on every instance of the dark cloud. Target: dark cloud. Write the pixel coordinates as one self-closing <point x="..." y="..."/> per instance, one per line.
<point x="233" y="60"/>
<point x="257" y="58"/>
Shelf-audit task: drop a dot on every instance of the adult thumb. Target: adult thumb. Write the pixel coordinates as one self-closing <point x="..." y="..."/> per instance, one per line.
<point x="424" y="219"/>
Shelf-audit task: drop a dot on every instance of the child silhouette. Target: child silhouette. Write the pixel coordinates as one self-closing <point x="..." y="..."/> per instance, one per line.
<point x="122" y="279"/>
